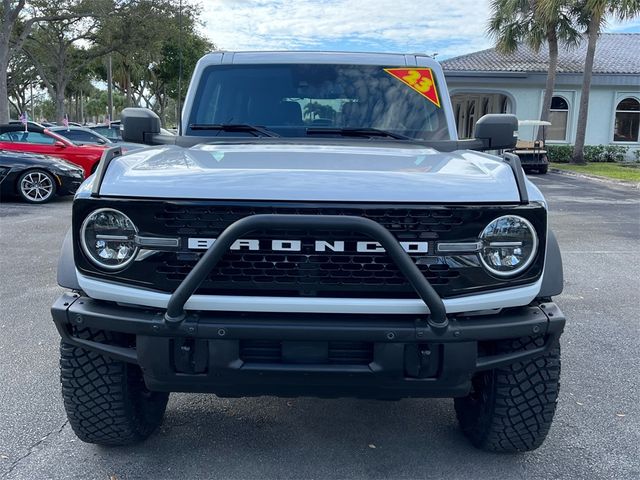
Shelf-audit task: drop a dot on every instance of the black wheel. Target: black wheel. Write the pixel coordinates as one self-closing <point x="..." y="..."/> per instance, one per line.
<point x="543" y="170"/>
<point x="106" y="400"/>
<point x="510" y="409"/>
<point x="36" y="186"/>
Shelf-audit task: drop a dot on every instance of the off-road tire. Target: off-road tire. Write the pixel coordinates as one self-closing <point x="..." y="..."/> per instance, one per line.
<point x="510" y="409"/>
<point x="106" y="400"/>
<point x="543" y="170"/>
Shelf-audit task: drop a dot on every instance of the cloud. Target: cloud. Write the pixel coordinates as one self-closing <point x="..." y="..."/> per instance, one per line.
<point x="390" y="25"/>
<point x="444" y="26"/>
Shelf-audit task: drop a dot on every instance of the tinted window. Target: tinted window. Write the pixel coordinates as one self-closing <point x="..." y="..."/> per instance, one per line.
<point x="8" y="137"/>
<point x="627" y="124"/>
<point x="28" y="137"/>
<point x="290" y="98"/>
<point x="111" y="133"/>
<point x="558" y="117"/>
<point x="79" y="135"/>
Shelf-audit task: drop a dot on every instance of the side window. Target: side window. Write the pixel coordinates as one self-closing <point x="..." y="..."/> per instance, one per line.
<point x="29" y="137"/>
<point x="471" y="119"/>
<point x="8" y="137"/>
<point x="627" y="124"/>
<point x="110" y="133"/>
<point x="558" y="117"/>
<point x="79" y="135"/>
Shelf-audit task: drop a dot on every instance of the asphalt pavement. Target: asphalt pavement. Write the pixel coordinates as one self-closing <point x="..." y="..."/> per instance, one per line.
<point x="596" y="432"/>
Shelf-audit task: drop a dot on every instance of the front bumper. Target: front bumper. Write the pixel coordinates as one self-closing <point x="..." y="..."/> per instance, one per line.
<point x="399" y="355"/>
<point x="68" y="184"/>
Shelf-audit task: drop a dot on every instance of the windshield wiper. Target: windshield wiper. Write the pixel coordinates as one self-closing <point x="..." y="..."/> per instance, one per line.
<point x="235" y="127"/>
<point x="357" y="132"/>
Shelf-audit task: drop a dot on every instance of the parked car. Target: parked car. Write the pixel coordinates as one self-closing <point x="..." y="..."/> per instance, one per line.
<point x="112" y="131"/>
<point x="37" y="178"/>
<point x="43" y="141"/>
<point x="87" y="136"/>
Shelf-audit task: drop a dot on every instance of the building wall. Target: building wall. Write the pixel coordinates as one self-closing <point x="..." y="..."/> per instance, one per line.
<point x="527" y="96"/>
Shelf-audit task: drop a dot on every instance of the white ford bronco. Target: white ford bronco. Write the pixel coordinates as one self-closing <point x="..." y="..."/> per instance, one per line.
<point x="315" y="229"/>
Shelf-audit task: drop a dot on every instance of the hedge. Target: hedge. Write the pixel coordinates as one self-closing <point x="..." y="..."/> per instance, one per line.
<point x="592" y="153"/>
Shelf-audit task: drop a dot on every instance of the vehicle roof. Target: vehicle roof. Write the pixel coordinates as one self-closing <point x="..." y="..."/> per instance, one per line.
<point x="19" y="127"/>
<point x="59" y="128"/>
<point x="328" y="57"/>
<point x="30" y="122"/>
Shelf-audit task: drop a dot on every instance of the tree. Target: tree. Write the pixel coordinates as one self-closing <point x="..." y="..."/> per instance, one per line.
<point x="137" y="37"/>
<point x="22" y="78"/>
<point x="314" y="110"/>
<point x="58" y="48"/>
<point x="534" y="22"/>
<point x="594" y="15"/>
<point x="166" y="73"/>
<point x="147" y="44"/>
<point x="14" y="30"/>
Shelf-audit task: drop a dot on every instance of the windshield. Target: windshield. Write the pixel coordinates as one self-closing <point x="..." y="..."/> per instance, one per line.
<point x="290" y="99"/>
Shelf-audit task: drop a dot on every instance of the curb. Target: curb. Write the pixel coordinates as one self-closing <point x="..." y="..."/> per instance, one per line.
<point x="597" y="178"/>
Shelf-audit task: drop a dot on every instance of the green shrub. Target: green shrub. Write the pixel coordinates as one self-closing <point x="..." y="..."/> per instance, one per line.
<point x="559" y="153"/>
<point x="592" y="153"/>
<point x="605" y="153"/>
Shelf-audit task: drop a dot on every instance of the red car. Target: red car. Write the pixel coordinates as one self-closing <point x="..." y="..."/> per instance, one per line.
<point x="45" y="142"/>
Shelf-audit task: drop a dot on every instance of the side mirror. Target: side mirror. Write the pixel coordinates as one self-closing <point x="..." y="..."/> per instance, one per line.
<point x="139" y="125"/>
<point x="497" y="131"/>
<point x="59" y="144"/>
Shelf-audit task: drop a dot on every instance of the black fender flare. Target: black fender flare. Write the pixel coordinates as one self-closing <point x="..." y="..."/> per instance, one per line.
<point x="67" y="277"/>
<point x="553" y="278"/>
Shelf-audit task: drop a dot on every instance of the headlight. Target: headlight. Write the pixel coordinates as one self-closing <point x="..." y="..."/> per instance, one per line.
<point x="108" y="238"/>
<point x="509" y="245"/>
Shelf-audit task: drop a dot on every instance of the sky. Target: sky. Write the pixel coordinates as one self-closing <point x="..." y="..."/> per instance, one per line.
<point x="445" y="27"/>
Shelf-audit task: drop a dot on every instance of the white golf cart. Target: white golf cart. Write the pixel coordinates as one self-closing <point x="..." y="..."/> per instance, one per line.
<point x="532" y="153"/>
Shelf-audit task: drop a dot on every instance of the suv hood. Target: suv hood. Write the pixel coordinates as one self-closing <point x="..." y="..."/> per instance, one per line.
<point x="311" y="173"/>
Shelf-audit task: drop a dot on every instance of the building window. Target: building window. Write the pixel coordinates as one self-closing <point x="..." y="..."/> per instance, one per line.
<point x="471" y="119"/>
<point x="485" y="106"/>
<point x="558" y="117"/>
<point x="627" y="124"/>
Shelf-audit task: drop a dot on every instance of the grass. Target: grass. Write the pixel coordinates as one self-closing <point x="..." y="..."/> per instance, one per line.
<point x="616" y="171"/>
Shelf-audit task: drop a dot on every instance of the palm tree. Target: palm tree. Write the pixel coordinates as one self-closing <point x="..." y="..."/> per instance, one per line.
<point x="594" y="15"/>
<point x="525" y="21"/>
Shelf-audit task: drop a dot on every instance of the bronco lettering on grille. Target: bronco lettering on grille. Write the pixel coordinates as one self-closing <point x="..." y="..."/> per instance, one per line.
<point x="318" y="246"/>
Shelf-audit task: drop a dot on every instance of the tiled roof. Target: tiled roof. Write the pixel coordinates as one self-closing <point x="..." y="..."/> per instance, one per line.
<point x="615" y="53"/>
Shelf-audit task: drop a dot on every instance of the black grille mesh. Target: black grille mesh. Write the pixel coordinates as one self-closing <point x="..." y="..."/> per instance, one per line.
<point x="338" y="353"/>
<point x="407" y="224"/>
<point x="308" y="272"/>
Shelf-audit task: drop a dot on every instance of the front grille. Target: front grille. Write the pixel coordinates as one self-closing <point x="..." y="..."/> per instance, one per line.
<point x="308" y="272"/>
<point x="406" y="224"/>
<point x="337" y="353"/>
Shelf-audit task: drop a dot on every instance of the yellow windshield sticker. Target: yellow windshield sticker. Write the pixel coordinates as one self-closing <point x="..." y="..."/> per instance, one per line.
<point x="419" y="79"/>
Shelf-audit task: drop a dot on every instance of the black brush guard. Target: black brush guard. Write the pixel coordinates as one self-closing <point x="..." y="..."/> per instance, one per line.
<point x="175" y="308"/>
